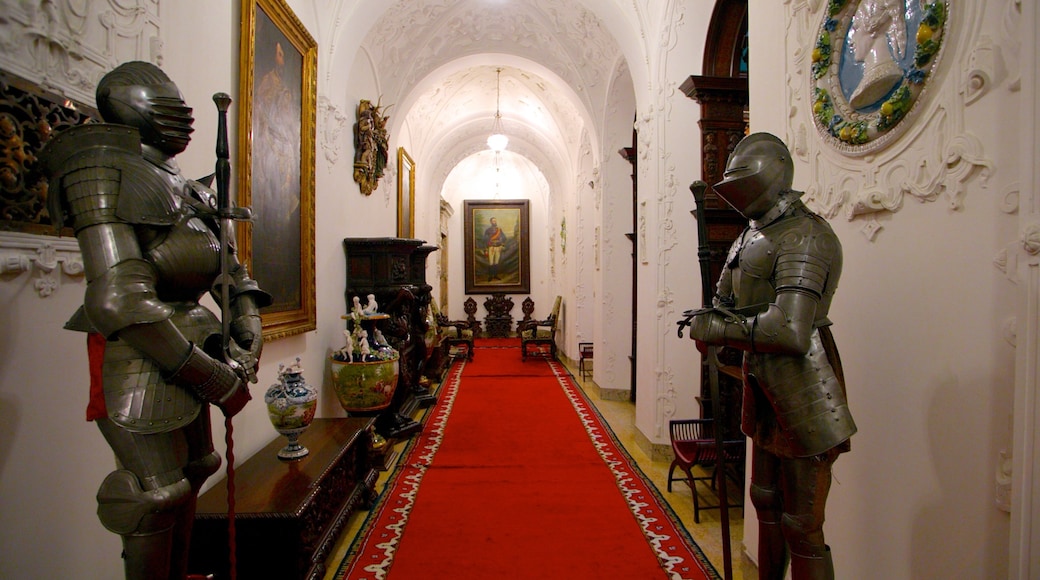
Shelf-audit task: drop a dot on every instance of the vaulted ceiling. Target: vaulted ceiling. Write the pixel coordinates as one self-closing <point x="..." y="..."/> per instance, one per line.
<point x="438" y="63"/>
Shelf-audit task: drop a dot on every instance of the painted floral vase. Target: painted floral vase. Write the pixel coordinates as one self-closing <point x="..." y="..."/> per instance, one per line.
<point x="365" y="386"/>
<point x="291" y="404"/>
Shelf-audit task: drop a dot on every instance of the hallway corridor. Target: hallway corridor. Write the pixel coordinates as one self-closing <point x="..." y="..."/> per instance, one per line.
<point x="620" y="417"/>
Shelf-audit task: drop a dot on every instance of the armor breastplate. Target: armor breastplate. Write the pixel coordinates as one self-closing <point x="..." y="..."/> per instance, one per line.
<point x="798" y="252"/>
<point x="794" y="406"/>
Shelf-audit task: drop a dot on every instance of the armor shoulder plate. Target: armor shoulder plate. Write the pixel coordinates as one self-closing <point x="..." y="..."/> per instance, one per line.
<point x="83" y="147"/>
<point x="104" y="160"/>
<point x="808" y="257"/>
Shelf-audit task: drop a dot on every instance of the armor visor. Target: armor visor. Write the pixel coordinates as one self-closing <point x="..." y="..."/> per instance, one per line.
<point x="172" y="118"/>
<point x="759" y="170"/>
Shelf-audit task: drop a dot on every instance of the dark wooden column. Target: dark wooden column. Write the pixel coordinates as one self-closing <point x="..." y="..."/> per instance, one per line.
<point x="629" y="154"/>
<point x="723" y="102"/>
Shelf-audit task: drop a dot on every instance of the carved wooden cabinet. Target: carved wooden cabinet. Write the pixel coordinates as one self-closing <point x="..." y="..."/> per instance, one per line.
<point x="393" y="270"/>
<point x="288" y="514"/>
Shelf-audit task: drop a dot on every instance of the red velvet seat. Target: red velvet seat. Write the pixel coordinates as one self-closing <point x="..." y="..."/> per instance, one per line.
<point x="693" y="442"/>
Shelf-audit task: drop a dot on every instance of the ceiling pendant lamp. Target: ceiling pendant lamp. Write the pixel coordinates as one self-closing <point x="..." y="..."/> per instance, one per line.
<point x="497" y="141"/>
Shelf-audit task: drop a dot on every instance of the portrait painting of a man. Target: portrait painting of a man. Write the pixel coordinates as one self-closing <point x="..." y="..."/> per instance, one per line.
<point x="497" y="246"/>
<point x="276" y="162"/>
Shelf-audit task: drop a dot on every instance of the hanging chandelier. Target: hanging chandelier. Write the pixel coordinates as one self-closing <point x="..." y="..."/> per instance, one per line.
<point x="497" y="141"/>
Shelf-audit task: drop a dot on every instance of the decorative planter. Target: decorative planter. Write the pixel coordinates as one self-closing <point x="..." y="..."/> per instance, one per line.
<point x="291" y="404"/>
<point x="365" y="386"/>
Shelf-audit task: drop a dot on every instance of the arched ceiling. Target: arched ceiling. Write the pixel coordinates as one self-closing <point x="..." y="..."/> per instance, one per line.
<point x="438" y="62"/>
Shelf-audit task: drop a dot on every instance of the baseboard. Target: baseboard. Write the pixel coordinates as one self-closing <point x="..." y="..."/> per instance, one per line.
<point x="656" y="451"/>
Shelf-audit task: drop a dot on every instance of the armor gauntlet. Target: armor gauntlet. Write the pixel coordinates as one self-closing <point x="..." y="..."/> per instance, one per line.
<point x="246" y="327"/>
<point x="212" y="381"/>
<point x="784" y="327"/>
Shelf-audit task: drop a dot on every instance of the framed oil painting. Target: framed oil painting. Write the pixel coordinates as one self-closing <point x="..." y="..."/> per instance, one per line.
<point x="405" y="194"/>
<point x="497" y="246"/>
<point x="276" y="162"/>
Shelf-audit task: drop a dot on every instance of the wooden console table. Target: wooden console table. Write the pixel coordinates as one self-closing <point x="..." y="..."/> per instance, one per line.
<point x="288" y="514"/>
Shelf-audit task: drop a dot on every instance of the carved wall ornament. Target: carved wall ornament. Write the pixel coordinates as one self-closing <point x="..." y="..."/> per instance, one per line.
<point x="928" y="155"/>
<point x="871" y="62"/>
<point x="45" y="257"/>
<point x="333" y="121"/>
<point x="67" y="45"/>
<point x="371" y="145"/>
<point x="29" y="117"/>
<point x="1031" y="239"/>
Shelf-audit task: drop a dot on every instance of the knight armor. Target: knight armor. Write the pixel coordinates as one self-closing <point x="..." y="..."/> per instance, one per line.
<point x="151" y="250"/>
<point x="772" y="302"/>
<point x="794" y="406"/>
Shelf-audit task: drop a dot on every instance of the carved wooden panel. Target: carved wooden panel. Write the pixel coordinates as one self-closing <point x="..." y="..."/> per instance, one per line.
<point x="28" y="118"/>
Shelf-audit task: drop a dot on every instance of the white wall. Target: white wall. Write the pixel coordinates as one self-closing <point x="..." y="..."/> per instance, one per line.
<point x="920" y="314"/>
<point x="613" y="321"/>
<point x="668" y="276"/>
<point x="919" y="317"/>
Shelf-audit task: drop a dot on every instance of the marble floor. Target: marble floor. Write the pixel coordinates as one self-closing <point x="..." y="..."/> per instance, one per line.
<point x="621" y="417"/>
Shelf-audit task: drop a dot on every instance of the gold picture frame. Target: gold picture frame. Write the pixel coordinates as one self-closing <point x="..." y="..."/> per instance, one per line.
<point x="405" y="194"/>
<point x="497" y="246"/>
<point x="278" y="88"/>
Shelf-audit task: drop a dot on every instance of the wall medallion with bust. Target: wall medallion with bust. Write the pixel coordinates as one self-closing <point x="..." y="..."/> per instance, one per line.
<point x="872" y="61"/>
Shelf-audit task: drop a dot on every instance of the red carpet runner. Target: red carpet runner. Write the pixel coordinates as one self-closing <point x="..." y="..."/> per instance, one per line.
<point x="518" y="485"/>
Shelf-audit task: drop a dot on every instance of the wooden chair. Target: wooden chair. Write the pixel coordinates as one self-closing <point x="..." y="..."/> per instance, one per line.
<point x="693" y="442"/>
<point x="540" y="332"/>
<point x="456" y="336"/>
<point x="584" y="359"/>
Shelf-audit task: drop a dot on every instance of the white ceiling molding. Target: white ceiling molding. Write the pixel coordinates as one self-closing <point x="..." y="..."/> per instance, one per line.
<point x="932" y="159"/>
<point x="416" y="37"/>
<point x="44" y="258"/>
<point x="66" y="46"/>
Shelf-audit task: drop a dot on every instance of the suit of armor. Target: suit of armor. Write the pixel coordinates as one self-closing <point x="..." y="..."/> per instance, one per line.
<point x="772" y="303"/>
<point x="151" y="250"/>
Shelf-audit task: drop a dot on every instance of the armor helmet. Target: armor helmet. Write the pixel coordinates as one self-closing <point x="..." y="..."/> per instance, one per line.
<point x="140" y="94"/>
<point x="760" y="169"/>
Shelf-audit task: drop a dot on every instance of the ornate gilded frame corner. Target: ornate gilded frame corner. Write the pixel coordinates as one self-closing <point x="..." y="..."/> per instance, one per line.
<point x="277" y="102"/>
<point x="405" y="194"/>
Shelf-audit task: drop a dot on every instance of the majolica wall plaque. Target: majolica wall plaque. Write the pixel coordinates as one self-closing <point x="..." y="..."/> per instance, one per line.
<point x="871" y="63"/>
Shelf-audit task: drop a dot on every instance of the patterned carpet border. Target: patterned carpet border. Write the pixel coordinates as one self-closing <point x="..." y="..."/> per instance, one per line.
<point x="678" y="553"/>
<point x="371" y="554"/>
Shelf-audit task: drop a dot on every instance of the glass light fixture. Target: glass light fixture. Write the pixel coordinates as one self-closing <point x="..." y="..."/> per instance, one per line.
<point x="497" y="141"/>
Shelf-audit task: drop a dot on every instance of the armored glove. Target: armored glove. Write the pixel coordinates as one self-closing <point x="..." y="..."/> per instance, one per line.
<point x="247" y="341"/>
<point x="212" y="381"/>
<point x="717" y="327"/>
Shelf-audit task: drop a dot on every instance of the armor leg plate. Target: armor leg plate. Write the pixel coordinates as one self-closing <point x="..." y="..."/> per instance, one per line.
<point x="765" y="496"/>
<point x="806" y="484"/>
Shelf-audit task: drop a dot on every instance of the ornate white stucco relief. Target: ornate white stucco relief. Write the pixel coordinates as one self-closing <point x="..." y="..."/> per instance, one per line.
<point x="563" y="36"/>
<point x="673" y="17"/>
<point x="932" y="159"/>
<point x="45" y="258"/>
<point x="67" y="45"/>
<point x="333" y="121"/>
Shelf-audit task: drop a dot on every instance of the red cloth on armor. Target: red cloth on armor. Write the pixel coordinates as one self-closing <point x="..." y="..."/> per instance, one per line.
<point x="96" y="357"/>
